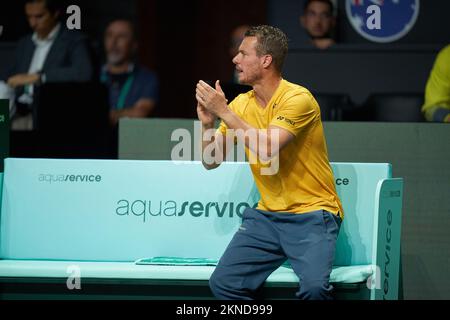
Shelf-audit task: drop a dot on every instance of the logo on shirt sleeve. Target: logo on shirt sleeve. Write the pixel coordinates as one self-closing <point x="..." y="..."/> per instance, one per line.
<point x="284" y="119"/>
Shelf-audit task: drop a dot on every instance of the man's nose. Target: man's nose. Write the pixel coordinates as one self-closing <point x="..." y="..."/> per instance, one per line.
<point x="316" y="19"/>
<point x="33" y="23"/>
<point x="116" y="43"/>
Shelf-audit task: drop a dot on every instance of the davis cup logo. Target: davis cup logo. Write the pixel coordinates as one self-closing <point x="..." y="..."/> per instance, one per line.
<point x="382" y="20"/>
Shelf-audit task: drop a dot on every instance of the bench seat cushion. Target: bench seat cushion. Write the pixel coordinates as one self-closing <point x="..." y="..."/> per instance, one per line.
<point x="129" y="270"/>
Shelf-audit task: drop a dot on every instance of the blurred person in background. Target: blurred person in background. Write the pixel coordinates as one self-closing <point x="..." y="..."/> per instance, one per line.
<point x="319" y="22"/>
<point x="237" y="36"/>
<point x="437" y="92"/>
<point x="50" y="54"/>
<point x="133" y="90"/>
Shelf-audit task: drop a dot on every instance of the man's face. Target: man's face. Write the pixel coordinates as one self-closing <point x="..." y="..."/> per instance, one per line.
<point x="119" y="42"/>
<point x="249" y="65"/>
<point x="318" y="20"/>
<point x="40" y="19"/>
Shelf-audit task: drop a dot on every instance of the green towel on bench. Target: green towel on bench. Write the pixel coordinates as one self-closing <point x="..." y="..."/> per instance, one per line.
<point x="175" y="261"/>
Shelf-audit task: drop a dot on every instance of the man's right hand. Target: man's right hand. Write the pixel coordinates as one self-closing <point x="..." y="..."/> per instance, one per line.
<point x="207" y="118"/>
<point x="23" y="80"/>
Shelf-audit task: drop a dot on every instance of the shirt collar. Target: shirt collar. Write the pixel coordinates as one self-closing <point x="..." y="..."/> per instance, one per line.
<point x="131" y="68"/>
<point x="50" y="38"/>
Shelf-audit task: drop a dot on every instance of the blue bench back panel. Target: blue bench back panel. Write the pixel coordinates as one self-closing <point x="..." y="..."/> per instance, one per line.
<point x="137" y="209"/>
<point x="91" y="210"/>
<point x="358" y="196"/>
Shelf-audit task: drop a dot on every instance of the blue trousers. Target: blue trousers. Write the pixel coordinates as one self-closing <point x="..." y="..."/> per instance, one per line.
<point x="265" y="241"/>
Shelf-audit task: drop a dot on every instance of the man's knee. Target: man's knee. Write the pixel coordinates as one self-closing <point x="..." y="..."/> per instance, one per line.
<point x="315" y="290"/>
<point x="228" y="287"/>
<point x="221" y="285"/>
<point x="215" y="284"/>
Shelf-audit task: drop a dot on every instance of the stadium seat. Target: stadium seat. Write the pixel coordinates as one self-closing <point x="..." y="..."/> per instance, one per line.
<point x="396" y="107"/>
<point x="332" y="106"/>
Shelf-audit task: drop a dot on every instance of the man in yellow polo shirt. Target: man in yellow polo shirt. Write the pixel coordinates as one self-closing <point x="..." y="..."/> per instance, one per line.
<point x="437" y="94"/>
<point x="299" y="215"/>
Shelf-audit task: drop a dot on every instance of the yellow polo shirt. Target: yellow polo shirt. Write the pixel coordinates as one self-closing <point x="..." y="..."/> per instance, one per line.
<point x="304" y="182"/>
<point x="437" y="93"/>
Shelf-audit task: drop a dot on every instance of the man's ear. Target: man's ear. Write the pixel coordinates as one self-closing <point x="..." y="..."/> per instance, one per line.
<point x="57" y="15"/>
<point x="267" y="61"/>
<point x="135" y="47"/>
<point x="333" y="22"/>
<point x="302" y="21"/>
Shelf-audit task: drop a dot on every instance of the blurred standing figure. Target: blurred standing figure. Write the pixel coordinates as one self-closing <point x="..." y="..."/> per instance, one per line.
<point x="319" y="22"/>
<point x="133" y="90"/>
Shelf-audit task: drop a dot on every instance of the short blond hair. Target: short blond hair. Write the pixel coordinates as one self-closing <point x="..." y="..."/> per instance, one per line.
<point x="271" y="41"/>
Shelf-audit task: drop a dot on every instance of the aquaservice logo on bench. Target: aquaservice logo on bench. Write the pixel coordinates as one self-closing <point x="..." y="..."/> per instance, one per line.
<point x="146" y="209"/>
<point x="69" y="178"/>
<point x="152" y="209"/>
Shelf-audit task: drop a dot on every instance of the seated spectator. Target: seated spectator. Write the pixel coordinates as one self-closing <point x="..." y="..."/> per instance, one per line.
<point x="437" y="94"/>
<point x="319" y="22"/>
<point x="133" y="89"/>
<point x="50" y="54"/>
<point x="237" y="35"/>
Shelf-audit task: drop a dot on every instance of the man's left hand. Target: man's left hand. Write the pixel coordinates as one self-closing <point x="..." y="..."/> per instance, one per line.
<point x="212" y="99"/>
<point x="22" y="80"/>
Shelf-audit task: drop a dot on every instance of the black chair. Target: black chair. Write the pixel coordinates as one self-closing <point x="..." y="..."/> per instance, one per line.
<point x="396" y="107"/>
<point x="333" y="106"/>
<point x="71" y="106"/>
<point x="71" y="120"/>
